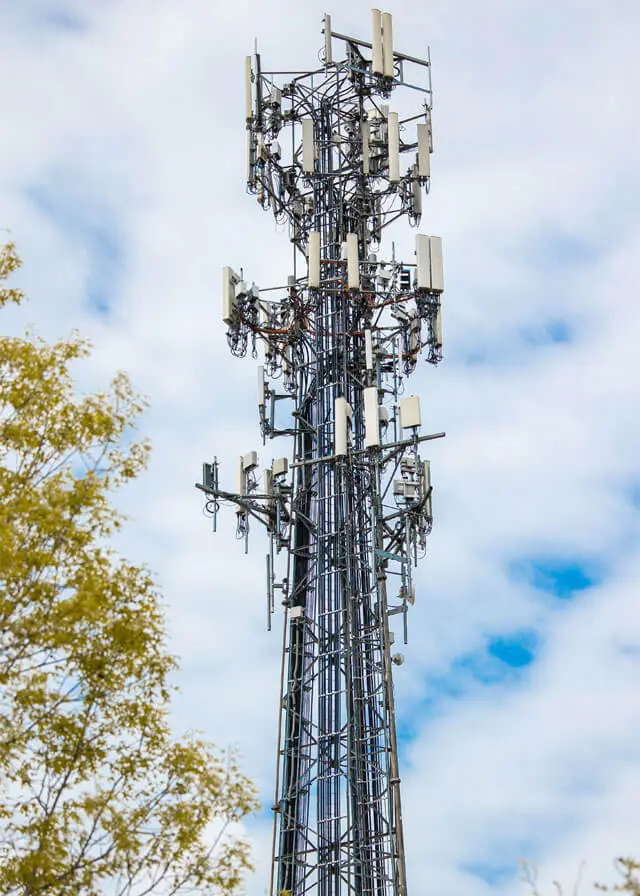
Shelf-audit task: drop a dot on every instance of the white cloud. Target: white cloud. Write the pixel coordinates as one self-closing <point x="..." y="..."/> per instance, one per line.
<point x="535" y="189"/>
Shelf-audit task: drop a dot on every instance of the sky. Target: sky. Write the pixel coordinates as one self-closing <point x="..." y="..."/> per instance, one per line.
<point x="121" y="180"/>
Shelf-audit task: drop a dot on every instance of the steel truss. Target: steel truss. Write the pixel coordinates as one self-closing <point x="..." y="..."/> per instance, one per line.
<point x="348" y="516"/>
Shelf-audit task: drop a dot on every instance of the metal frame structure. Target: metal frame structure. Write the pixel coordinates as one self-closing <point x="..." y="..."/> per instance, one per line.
<point x="349" y="510"/>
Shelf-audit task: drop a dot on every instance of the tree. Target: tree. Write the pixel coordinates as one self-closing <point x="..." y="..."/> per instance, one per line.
<point x="629" y="870"/>
<point x="95" y="795"/>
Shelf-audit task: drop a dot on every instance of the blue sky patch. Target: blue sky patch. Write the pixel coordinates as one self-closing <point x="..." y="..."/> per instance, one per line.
<point x="559" y="331"/>
<point x="90" y="226"/>
<point x="559" y="577"/>
<point x="476" y="358"/>
<point x="634" y="495"/>
<point x="506" y="857"/>
<point x="517" y="651"/>
<point x="502" y="661"/>
<point x="492" y="873"/>
<point x="553" y="332"/>
<point x="40" y="16"/>
<point x="61" y="19"/>
<point x="561" y="250"/>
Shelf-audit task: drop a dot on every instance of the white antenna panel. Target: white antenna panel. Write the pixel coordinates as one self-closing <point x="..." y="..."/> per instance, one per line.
<point x="308" y="149"/>
<point x="368" y="349"/>
<point x="410" y="412"/>
<point x="229" y="281"/>
<point x="261" y="388"/>
<point x="422" y="261"/>
<point x="377" y="64"/>
<point x="371" y="417"/>
<point x="248" y="103"/>
<point x="287" y="359"/>
<point x="328" y="56"/>
<point x="429" y="261"/>
<point x="343" y="415"/>
<point x="280" y="466"/>
<point x="268" y="483"/>
<point x="353" y="262"/>
<point x="250" y="460"/>
<point x="417" y="194"/>
<point x="314" y="259"/>
<point x="424" y="156"/>
<point x="387" y="45"/>
<point x="415" y="327"/>
<point x="435" y="263"/>
<point x="394" y="147"/>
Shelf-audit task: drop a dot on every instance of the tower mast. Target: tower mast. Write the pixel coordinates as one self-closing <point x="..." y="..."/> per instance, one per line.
<point x="348" y="508"/>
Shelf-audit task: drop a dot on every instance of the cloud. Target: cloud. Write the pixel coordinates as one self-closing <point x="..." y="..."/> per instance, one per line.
<point x="61" y="200"/>
<point x="121" y="176"/>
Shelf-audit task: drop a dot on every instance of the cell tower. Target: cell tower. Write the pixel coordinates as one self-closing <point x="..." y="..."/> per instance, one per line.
<point x="348" y="509"/>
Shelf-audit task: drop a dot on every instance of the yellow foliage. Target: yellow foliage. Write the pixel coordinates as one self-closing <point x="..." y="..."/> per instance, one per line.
<point x="629" y="870"/>
<point x="9" y="262"/>
<point x="93" y="788"/>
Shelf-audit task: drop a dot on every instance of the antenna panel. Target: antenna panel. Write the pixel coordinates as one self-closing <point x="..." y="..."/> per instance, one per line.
<point x="377" y="63"/>
<point x="424" y="154"/>
<point x="435" y="263"/>
<point x="314" y="259"/>
<point x="410" y="412"/>
<point x="248" y="99"/>
<point x="423" y="274"/>
<point x="229" y="281"/>
<point x="371" y="417"/>
<point x="394" y="147"/>
<point x="353" y="261"/>
<point x="387" y="45"/>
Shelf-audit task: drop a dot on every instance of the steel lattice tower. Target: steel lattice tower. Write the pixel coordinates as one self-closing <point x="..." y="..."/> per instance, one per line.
<point x="348" y="512"/>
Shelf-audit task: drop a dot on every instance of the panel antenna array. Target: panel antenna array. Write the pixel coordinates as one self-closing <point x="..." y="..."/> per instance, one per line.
<point x="348" y="510"/>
